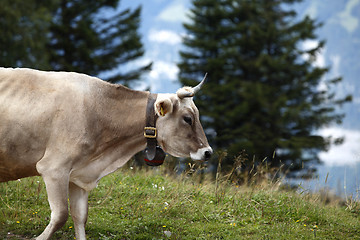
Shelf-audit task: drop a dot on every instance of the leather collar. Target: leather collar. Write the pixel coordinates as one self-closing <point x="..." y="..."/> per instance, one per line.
<point x="150" y="132"/>
<point x="154" y="155"/>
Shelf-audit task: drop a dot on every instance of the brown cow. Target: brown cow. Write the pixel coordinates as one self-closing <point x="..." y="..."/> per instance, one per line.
<point x="73" y="129"/>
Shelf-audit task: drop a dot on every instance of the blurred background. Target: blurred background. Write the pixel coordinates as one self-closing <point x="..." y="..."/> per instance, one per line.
<point x="282" y="89"/>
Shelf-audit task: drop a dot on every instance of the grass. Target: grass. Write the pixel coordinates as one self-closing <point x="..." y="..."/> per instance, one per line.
<point x="151" y="205"/>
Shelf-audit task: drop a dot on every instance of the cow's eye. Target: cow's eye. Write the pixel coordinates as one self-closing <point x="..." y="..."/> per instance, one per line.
<point x="188" y="120"/>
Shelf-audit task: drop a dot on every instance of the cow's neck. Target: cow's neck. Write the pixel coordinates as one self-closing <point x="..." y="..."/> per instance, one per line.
<point x="124" y="113"/>
<point x="114" y="132"/>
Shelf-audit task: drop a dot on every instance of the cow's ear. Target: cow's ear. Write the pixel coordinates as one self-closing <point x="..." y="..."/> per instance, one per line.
<point x="163" y="107"/>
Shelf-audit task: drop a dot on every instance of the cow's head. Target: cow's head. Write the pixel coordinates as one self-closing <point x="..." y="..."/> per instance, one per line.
<point x="179" y="129"/>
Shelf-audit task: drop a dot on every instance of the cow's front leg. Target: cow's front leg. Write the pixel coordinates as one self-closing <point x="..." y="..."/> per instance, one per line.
<point x="79" y="209"/>
<point x="57" y="186"/>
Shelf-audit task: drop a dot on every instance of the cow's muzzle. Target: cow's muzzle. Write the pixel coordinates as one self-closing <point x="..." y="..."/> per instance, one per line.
<point x="207" y="155"/>
<point x="202" y="154"/>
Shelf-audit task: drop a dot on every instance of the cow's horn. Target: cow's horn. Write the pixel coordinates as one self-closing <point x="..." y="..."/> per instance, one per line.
<point x="197" y="88"/>
<point x="190" y="92"/>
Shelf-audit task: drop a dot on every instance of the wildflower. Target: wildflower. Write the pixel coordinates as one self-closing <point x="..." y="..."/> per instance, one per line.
<point x="167" y="233"/>
<point x="17" y="221"/>
<point x="164" y="226"/>
<point x="304" y="225"/>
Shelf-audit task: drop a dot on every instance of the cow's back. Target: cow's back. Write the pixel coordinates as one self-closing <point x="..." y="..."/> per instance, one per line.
<point x="36" y="109"/>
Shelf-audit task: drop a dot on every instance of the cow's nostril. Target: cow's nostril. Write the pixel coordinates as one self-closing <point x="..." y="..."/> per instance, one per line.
<point x="207" y="155"/>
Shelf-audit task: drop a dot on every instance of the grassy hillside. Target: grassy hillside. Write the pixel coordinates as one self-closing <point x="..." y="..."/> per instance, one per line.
<point x="140" y="205"/>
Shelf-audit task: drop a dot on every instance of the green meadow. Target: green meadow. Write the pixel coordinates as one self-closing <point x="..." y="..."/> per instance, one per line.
<point x="133" y="204"/>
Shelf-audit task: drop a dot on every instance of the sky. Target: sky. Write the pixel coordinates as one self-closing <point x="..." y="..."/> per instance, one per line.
<point x="162" y="31"/>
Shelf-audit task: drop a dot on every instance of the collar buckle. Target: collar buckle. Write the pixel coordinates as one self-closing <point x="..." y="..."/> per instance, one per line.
<point x="150" y="132"/>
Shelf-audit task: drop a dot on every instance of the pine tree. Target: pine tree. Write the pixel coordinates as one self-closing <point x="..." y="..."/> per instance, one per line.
<point x="88" y="36"/>
<point x="262" y="94"/>
<point x="22" y="38"/>
<point x="69" y="35"/>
